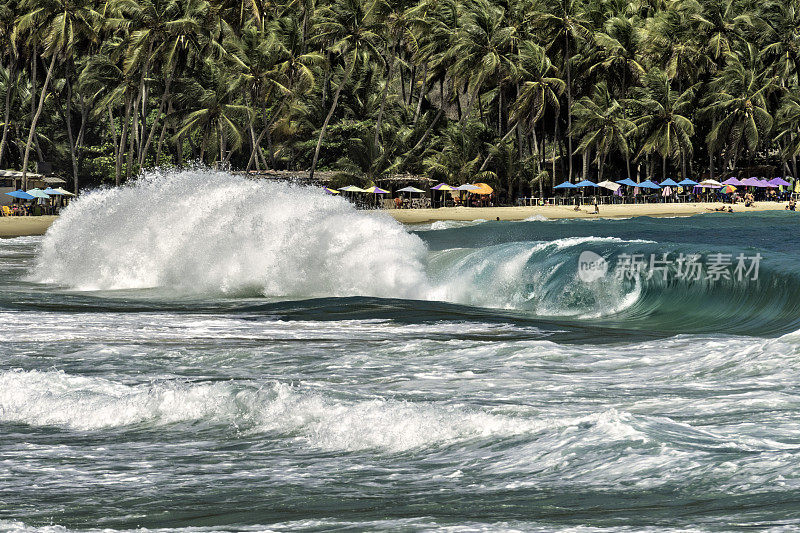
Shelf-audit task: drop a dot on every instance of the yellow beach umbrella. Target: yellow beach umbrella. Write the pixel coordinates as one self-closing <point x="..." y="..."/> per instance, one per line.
<point x="483" y="188"/>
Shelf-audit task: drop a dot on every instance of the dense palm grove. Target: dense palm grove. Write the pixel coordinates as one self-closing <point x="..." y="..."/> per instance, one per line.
<point x="517" y="93"/>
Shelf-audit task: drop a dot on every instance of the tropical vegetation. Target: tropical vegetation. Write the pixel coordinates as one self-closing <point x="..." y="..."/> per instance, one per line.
<point x="518" y="93"/>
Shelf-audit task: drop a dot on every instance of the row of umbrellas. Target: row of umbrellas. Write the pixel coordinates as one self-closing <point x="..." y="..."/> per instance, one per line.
<point x="477" y="188"/>
<point x="353" y="188"/>
<point x="33" y="194"/>
<point x="729" y="184"/>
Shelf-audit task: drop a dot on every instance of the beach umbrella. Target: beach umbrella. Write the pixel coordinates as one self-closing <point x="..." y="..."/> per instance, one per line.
<point x="732" y="181"/>
<point x="468" y="187"/>
<point x="647" y="184"/>
<point x="410" y="189"/>
<point x="443" y="187"/>
<point x="61" y="191"/>
<point x="710" y="183"/>
<point x="780" y="182"/>
<point x="766" y="183"/>
<point x="39" y="193"/>
<point x="20" y="194"/>
<point x="483" y="189"/>
<point x="351" y="188"/>
<point x="565" y="185"/>
<point x="629" y="182"/>
<point x="686" y="182"/>
<point x="586" y="183"/>
<point x="752" y="182"/>
<point x="609" y="185"/>
<point x="376" y="190"/>
<point x="727" y="189"/>
<point x="669" y="182"/>
<point x="330" y="191"/>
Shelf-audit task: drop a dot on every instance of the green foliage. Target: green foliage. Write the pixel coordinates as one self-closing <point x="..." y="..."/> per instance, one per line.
<point x="458" y="90"/>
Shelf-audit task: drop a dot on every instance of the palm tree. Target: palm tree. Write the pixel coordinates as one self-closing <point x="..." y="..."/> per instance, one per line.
<point x="215" y="117"/>
<point x="565" y="26"/>
<point x="159" y="33"/>
<point x="619" y="54"/>
<point x="739" y="105"/>
<point x="788" y="128"/>
<point x="485" y="47"/>
<point x="601" y="124"/>
<point x="539" y="91"/>
<point x="344" y="24"/>
<point x="660" y="116"/>
<point x="779" y="28"/>
<point x="8" y="52"/>
<point x="56" y="25"/>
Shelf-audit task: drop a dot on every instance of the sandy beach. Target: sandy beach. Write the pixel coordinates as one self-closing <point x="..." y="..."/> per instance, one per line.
<point x="27" y="226"/>
<point x="24" y="226"/>
<point x="421" y="216"/>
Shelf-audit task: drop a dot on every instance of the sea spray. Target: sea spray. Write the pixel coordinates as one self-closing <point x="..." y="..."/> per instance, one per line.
<point x="203" y="231"/>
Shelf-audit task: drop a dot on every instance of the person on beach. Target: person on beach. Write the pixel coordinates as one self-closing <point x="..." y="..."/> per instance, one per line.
<point x="792" y="205"/>
<point x="596" y="208"/>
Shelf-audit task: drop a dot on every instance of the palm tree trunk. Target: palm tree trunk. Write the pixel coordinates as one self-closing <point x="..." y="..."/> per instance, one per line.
<point x="383" y="100"/>
<point x="6" y="113"/>
<point x="164" y="98"/>
<point x="585" y="161"/>
<point x="70" y="137"/>
<point x="489" y="156"/>
<point x="569" y="104"/>
<point x="335" y="102"/>
<point x="131" y="144"/>
<point x="628" y="164"/>
<point x="124" y="138"/>
<point x="445" y="98"/>
<point x="421" y="94"/>
<point x="35" y="120"/>
<point x="601" y="168"/>
<point x="116" y="145"/>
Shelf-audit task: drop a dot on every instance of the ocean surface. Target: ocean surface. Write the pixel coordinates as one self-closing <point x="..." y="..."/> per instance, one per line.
<point x="198" y="352"/>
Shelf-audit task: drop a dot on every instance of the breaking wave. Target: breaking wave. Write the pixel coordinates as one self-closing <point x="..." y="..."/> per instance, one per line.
<point x="205" y="232"/>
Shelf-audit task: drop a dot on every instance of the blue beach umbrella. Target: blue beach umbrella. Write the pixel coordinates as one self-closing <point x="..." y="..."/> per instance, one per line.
<point x="647" y="184"/>
<point x="586" y="183"/>
<point x="565" y="185"/>
<point x="22" y="195"/>
<point x="686" y="182"/>
<point x="669" y="182"/>
<point x="629" y="182"/>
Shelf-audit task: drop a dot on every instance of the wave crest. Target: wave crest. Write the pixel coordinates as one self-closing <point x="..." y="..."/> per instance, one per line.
<point x="204" y="231"/>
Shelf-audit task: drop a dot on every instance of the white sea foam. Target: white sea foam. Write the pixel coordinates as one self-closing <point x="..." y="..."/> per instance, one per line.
<point x="203" y="232"/>
<point x="208" y="231"/>
<point x="54" y="398"/>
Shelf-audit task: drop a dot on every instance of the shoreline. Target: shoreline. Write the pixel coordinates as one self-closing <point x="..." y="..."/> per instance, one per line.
<point x="31" y="226"/>
<point x="25" y="226"/>
<point x="468" y="214"/>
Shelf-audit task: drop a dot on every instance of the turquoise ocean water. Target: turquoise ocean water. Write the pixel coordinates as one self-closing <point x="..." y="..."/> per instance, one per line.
<point x="198" y="352"/>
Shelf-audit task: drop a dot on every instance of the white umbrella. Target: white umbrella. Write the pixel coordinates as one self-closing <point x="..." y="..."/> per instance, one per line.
<point x="352" y="188"/>
<point x="410" y="189"/>
<point x="710" y="183"/>
<point x="609" y="185"/>
<point x="468" y="187"/>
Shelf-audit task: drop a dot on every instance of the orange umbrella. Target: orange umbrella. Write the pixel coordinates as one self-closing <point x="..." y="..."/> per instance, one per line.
<point x="482" y="189"/>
